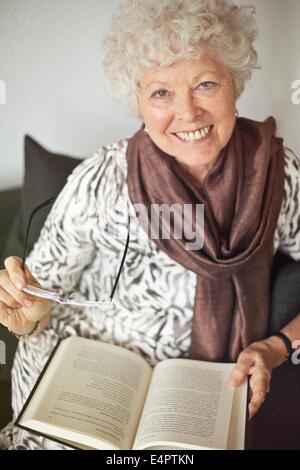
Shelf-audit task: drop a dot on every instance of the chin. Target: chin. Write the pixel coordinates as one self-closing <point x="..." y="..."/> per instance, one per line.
<point x="196" y="160"/>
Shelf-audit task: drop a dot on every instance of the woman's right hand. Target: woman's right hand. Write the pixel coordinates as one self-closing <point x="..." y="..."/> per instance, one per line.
<point x="19" y="311"/>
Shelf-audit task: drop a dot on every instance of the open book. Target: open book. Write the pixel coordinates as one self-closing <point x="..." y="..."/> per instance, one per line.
<point x="94" y="395"/>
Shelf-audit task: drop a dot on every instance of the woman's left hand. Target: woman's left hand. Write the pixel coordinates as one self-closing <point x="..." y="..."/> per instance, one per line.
<point x="258" y="360"/>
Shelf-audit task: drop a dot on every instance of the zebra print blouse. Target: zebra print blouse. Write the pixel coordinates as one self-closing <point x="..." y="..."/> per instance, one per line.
<point x="78" y="251"/>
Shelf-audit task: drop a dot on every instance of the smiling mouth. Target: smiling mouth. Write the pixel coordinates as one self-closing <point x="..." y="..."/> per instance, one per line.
<point x="196" y="136"/>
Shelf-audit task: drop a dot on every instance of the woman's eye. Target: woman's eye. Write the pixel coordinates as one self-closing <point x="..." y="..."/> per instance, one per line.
<point x="206" y="85"/>
<point x="159" y="94"/>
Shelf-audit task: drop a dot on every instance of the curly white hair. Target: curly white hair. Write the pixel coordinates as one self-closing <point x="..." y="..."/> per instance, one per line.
<point x="145" y="33"/>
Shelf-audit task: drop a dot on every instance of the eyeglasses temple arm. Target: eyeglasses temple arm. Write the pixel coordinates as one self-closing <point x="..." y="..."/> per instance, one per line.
<point x="121" y="266"/>
<point x="35" y="210"/>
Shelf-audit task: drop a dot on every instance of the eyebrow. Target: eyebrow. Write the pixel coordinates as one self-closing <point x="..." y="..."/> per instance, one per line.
<point x="194" y="79"/>
<point x="159" y="82"/>
<point x="211" y="72"/>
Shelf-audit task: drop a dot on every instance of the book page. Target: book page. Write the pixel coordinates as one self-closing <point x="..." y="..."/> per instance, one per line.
<point x="236" y="436"/>
<point x="95" y="394"/>
<point x="188" y="405"/>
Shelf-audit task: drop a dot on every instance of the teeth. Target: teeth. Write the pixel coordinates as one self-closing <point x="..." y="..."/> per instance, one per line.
<point x="190" y="136"/>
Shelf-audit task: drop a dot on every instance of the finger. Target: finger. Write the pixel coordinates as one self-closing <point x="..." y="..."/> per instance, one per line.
<point x="30" y="278"/>
<point x="255" y="403"/>
<point x="24" y="299"/>
<point x="260" y="386"/>
<point x="4" y="312"/>
<point x="241" y="369"/>
<point x="260" y="380"/>
<point x="8" y="300"/>
<point x="15" y="272"/>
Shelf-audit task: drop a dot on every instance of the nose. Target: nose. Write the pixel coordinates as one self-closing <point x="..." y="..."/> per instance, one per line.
<point x="187" y="109"/>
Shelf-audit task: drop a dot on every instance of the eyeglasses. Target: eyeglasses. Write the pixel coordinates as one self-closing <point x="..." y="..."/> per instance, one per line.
<point x="59" y="296"/>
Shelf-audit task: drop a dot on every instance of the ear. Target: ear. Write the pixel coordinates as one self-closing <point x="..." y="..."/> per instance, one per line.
<point x="237" y="95"/>
<point x="138" y="115"/>
<point x="137" y="108"/>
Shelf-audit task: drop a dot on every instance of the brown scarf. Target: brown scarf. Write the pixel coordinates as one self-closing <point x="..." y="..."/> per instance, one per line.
<point x="242" y="197"/>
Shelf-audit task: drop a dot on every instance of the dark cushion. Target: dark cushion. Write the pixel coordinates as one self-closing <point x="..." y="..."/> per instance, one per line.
<point x="285" y="291"/>
<point x="9" y="204"/>
<point x="15" y="241"/>
<point x="276" y="424"/>
<point x="45" y="175"/>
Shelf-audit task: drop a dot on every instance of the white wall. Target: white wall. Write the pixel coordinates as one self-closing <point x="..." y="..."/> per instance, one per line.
<point x="270" y="91"/>
<point x="50" y="60"/>
<point x="289" y="119"/>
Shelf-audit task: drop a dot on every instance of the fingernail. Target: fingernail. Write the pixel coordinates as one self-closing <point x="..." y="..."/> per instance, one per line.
<point x="233" y="382"/>
<point x="9" y="311"/>
<point x="19" y="284"/>
<point x="27" y="303"/>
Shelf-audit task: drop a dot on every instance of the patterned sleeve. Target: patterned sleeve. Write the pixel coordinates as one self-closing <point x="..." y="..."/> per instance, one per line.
<point x="287" y="236"/>
<point x="65" y="246"/>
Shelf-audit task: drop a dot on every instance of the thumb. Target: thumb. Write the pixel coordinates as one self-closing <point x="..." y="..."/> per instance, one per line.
<point x="241" y="370"/>
<point x="30" y="279"/>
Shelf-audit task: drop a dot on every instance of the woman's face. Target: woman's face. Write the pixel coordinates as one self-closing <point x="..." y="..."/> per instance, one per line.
<point x="189" y="109"/>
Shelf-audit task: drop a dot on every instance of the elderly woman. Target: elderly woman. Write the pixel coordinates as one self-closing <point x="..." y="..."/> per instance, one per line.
<point x="180" y="66"/>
